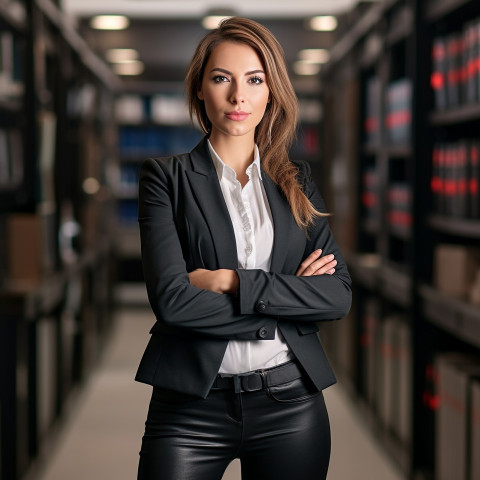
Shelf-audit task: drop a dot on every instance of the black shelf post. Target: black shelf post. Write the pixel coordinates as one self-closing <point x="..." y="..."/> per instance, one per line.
<point x="422" y="416"/>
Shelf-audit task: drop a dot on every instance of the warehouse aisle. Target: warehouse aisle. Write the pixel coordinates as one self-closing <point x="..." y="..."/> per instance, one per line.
<point x="102" y="438"/>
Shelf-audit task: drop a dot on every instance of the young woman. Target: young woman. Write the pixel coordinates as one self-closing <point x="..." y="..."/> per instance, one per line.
<point x="240" y="264"/>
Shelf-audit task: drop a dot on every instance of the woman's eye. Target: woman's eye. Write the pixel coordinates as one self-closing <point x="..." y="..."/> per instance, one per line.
<point x="220" y="79"/>
<point x="256" y="80"/>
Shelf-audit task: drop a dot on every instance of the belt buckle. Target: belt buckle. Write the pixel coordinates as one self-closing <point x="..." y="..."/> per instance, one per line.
<point x="246" y="384"/>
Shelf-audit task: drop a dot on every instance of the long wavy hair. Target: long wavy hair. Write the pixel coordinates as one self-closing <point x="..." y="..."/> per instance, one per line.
<point x="276" y="131"/>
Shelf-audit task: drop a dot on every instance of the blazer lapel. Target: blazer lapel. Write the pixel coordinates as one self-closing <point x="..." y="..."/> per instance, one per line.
<point x="283" y="222"/>
<point x="208" y="194"/>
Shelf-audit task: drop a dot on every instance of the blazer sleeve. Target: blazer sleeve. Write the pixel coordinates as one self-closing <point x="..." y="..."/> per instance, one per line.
<point x="174" y="300"/>
<point x="314" y="298"/>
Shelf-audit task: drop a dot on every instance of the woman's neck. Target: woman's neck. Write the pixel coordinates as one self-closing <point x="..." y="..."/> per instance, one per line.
<point x="236" y="152"/>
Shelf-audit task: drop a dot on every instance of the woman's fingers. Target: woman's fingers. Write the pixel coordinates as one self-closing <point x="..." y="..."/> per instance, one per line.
<point x="313" y="265"/>
<point x="308" y="262"/>
<point x="322" y="268"/>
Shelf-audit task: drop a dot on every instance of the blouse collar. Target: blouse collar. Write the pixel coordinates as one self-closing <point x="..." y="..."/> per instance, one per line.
<point x="223" y="169"/>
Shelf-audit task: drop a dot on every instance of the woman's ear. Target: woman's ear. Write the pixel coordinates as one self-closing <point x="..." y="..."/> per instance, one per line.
<point x="200" y="94"/>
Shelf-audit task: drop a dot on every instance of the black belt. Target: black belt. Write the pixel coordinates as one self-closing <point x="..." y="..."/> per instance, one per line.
<point x="259" y="379"/>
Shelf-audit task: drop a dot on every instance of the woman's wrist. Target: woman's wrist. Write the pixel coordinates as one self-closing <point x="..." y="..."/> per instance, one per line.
<point x="219" y="281"/>
<point x="230" y="281"/>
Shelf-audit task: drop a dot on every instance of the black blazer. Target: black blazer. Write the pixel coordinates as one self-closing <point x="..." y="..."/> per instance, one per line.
<point x="184" y="225"/>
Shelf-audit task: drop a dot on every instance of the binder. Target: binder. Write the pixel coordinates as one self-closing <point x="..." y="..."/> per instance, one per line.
<point x="455" y="372"/>
<point x="474" y="180"/>
<point x="438" y="78"/>
<point x="475" y="431"/>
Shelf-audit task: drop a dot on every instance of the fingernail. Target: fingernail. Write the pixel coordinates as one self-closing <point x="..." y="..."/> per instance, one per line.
<point x="319" y="251"/>
<point x="330" y="257"/>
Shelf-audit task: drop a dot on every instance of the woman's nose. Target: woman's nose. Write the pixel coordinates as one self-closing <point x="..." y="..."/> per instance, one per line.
<point x="237" y="95"/>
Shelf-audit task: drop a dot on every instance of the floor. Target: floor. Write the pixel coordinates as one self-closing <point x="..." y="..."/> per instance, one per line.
<point x="101" y="439"/>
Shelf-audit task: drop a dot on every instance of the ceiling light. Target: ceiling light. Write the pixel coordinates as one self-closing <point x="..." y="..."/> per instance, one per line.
<point x="121" y="55"/>
<point x="134" y="67"/>
<point x="306" y="68"/>
<point x="211" y="22"/>
<point x="214" y="16"/>
<point x="110" y="22"/>
<point x="314" y="55"/>
<point x="323" y="23"/>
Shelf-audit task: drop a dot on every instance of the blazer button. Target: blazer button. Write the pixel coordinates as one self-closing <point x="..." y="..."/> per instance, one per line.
<point x="261" y="307"/>
<point x="263" y="332"/>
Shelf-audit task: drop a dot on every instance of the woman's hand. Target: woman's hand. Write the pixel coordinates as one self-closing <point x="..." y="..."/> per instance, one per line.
<point x="218" y="281"/>
<point x="314" y="264"/>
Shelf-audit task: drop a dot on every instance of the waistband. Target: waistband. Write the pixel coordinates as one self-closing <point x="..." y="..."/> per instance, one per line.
<point x="259" y="379"/>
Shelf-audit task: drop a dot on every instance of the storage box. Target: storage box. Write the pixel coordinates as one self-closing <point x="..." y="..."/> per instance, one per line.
<point x="453" y="420"/>
<point x="455" y="268"/>
<point x="30" y="247"/>
<point x="475" y="431"/>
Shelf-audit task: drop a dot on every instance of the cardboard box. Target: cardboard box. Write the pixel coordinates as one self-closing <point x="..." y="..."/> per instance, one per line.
<point x="24" y="245"/>
<point x="475" y="431"/>
<point x="455" y="269"/>
<point x="30" y="247"/>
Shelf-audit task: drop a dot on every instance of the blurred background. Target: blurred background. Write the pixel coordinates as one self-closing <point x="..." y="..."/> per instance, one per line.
<point x="389" y="94"/>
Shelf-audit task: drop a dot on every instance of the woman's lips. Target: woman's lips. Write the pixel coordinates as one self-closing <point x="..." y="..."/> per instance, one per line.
<point x="237" y="116"/>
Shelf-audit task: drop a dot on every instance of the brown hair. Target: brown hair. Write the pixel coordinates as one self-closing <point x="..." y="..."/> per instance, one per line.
<point x="276" y="131"/>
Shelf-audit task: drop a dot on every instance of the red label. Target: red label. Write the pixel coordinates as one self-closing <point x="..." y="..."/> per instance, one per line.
<point x="450" y="187"/>
<point x="474" y="155"/>
<point x="436" y="185"/>
<point x="371" y="124"/>
<point x="437" y="81"/>
<point x="473" y="186"/>
<point x="369" y="199"/>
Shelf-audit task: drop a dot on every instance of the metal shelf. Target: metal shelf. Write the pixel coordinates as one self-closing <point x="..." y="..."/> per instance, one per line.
<point x="396" y="285"/>
<point x="97" y="66"/>
<point x="456" y="316"/>
<point x="365" y="269"/>
<point x="404" y="233"/>
<point x="455" y="226"/>
<point x="436" y="9"/>
<point x="14" y="15"/>
<point x="43" y="298"/>
<point x="453" y="116"/>
<point x="402" y="27"/>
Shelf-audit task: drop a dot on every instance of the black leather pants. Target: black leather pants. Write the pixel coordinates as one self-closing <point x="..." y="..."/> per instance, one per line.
<point x="278" y="433"/>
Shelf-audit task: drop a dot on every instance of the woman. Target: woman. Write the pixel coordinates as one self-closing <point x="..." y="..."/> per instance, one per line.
<point x="239" y="264"/>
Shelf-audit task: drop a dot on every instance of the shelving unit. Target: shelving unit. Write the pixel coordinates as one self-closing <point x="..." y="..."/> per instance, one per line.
<point x="395" y="226"/>
<point x="57" y="142"/>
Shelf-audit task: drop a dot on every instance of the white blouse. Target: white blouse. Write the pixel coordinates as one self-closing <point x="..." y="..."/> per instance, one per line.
<point x="253" y="226"/>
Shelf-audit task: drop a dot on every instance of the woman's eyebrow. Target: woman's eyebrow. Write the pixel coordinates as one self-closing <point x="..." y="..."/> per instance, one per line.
<point x="217" y="69"/>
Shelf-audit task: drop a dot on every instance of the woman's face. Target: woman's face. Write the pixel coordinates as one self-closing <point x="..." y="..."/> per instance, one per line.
<point x="234" y="90"/>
